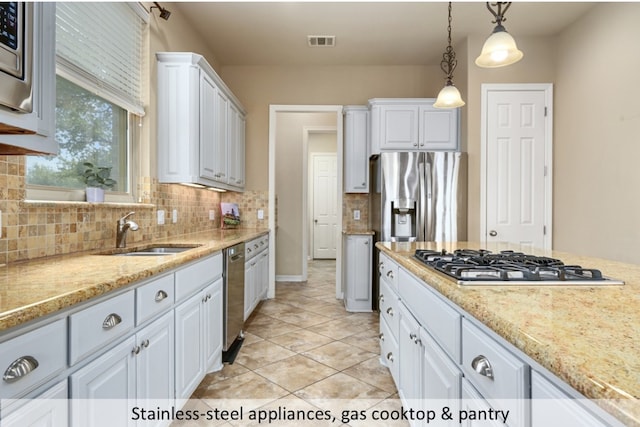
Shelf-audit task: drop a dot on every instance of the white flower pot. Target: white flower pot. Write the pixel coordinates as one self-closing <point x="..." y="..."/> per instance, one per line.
<point x="95" y="194"/>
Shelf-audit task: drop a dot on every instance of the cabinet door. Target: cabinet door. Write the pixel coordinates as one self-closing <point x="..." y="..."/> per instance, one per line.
<point x="235" y="147"/>
<point x="438" y="128"/>
<point x="220" y="137"/>
<point x="356" y="153"/>
<point x="263" y="275"/>
<point x="358" y="273"/>
<point x="399" y="127"/>
<point x="48" y="409"/>
<point x="212" y="326"/>
<point x="188" y="351"/>
<point x="249" y="287"/>
<point x="473" y="402"/>
<point x="208" y="135"/>
<point x="103" y="390"/>
<point x="154" y="363"/>
<point x="410" y="354"/>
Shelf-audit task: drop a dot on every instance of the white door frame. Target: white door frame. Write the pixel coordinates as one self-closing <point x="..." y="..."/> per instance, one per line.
<point x="548" y="149"/>
<point x="273" y="111"/>
<point x="307" y="172"/>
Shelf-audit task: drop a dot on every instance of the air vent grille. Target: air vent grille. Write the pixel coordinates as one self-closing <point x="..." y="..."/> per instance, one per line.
<point x="321" y="41"/>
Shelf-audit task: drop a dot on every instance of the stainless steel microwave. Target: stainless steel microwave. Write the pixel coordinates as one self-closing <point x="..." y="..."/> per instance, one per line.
<point x="16" y="56"/>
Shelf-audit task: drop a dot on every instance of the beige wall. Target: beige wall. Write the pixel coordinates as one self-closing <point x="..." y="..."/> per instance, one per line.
<point x="597" y="134"/>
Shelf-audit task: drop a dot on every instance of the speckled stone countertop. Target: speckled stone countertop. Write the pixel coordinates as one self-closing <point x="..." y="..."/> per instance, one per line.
<point x="587" y="336"/>
<point x="33" y="289"/>
<point x="351" y="232"/>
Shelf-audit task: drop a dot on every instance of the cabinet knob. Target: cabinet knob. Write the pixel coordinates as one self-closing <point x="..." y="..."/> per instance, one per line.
<point x="381" y="337"/>
<point x="364" y="184"/>
<point x="111" y="321"/>
<point x="481" y="365"/>
<point x="390" y="357"/>
<point x="20" y="368"/>
<point x="145" y="343"/>
<point x="390" y="274"/>
<point x="493" y="233"/>
<point x="390" y="311"/>
<point x="136" y="350"/>
<point x="381" y="299"/>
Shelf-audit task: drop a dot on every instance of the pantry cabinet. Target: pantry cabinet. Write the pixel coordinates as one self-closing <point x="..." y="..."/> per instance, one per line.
<point x="358" y="251"/>
<point x="356" y="149"/>
<point x="200" y="124"/>
<point x="410" y="124"/>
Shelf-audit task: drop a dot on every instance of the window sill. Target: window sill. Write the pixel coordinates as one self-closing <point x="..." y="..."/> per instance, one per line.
<point x="75" y="204"/>
<point x="45" y="194"/>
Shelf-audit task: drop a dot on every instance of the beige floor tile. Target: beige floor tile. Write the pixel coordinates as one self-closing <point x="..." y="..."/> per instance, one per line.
<point x="228" y="371"/>
<point x="303" y="319"/>
<point x="262" y="353"/>
<point x="367" y="340"/>
<point x="295" y="372"/>
<point x="338" y="355"/>
<point x="338" y="328"/>
<point x="272" y="328"/>
<point x="302" y="340"/>
<point x="372" y="372"/>
<point x="250" y="338"/>
<point x="341" y="387"/>
<point x="243" y="387"/>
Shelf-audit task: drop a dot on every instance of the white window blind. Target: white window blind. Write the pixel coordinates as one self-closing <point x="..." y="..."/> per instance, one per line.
<point x="99" y="46"/>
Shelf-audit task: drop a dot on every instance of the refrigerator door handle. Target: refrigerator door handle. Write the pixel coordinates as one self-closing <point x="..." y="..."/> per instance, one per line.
<point x="420" y="224"/>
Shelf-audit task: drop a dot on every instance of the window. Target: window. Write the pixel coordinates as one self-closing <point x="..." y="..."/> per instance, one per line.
<point x="99" y="62"/>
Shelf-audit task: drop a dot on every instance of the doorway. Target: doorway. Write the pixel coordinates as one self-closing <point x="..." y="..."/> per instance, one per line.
<point x="289" y="209"/>
<point x="516" y="164"/>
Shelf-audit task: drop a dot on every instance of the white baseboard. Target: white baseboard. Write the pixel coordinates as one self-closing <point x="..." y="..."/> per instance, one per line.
<point x="285" y="278"/>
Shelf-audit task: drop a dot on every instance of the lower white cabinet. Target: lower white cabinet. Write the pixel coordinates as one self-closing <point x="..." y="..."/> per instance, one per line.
<point x="256" y="273"/>
<point x="473" y="402"/>
<point x="49" y="409"/>
<point x="410" y="352"/>
<point x="357" y="272"/>
<point x="198" y="346"/>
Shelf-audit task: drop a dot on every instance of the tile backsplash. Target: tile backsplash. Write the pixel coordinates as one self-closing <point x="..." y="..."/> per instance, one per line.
<point x="34" y="229"/>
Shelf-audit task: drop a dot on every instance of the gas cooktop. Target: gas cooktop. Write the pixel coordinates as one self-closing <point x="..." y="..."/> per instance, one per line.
<point x="482" y="267"/>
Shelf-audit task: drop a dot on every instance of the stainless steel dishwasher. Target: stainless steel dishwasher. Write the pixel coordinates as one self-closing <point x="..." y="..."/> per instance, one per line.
<point x="233" y="301"/>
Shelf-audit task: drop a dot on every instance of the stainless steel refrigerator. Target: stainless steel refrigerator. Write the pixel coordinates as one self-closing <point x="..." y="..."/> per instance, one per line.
<point x="418" y="196"/>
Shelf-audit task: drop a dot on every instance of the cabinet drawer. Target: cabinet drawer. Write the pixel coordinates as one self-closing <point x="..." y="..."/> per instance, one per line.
<point x="389" y="308"/>
<point x="30" y="359"/>
<point x="153" y="298"/>
<point x="501" y="377"/>
<point x="389" y="350"/>
<point x="441" y="320"/>
<point x="197" y="275"/>
<point x="93" y="327"/>
<point x="388" y="271"/>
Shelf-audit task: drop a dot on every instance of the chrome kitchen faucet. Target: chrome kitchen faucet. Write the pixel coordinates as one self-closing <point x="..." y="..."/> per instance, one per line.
<point x="124" y="225"/>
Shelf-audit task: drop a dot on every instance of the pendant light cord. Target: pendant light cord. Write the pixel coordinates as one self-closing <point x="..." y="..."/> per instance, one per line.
<point x="449" y="62"/>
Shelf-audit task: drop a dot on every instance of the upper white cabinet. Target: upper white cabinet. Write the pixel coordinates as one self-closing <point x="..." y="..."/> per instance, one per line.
<point x="408" y="124"/>
<point x="34" y="133"/>
<point x="200" y="124"/>
<point x="356" y="149"/>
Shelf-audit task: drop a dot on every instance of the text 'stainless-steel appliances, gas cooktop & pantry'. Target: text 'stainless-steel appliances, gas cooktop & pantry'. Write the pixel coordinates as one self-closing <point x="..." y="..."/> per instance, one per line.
<point x="481" y="267"/>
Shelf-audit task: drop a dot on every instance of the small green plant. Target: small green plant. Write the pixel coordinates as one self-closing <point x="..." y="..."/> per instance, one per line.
<point x="98" y="176"/>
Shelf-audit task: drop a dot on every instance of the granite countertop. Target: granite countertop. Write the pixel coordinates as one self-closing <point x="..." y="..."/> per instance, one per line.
<point x="353" y="232"/>
<point x="33" y="289"/>
<point x="587" y="336"/>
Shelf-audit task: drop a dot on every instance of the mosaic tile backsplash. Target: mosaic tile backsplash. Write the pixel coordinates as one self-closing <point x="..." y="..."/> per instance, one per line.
<point x="33" y="229"/>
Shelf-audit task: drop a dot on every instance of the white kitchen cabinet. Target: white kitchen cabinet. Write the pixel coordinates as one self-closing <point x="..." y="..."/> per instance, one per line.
<point x="412" y="124"/>
<point x="40" y="124"/>
<point x="358" y="251"/>
<point x="356" y="149"/>
<point x="103" y="390"/>
<point x="154" y="353"/>
<point x="200" y="124"/>
<point x="49" y="409"/>
<point x="473" y="402"/>
<point x="212" y="317"/>
<point x="410" y="360"/>
<point x="256" y="273"/>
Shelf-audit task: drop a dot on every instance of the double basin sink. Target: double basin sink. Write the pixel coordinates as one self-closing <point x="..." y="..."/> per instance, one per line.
<point x="152" y="250"/>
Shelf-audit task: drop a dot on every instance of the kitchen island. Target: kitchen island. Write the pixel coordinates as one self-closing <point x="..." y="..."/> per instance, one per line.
<point x="33" y="289"/>
<point x="587" y="336"/>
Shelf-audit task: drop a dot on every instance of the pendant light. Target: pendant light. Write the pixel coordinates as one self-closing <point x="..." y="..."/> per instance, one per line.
<point x="500" y="48"/>
<point x="449" y="96"/>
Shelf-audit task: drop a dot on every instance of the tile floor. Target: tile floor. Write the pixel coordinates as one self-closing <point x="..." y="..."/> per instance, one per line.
<point x="303" y="351"/>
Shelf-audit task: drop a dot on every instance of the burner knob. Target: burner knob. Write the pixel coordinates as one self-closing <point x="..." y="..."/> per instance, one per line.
<point x="493" y="233"/>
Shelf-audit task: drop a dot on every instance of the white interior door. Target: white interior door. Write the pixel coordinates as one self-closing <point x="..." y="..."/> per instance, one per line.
<point x="517" y="167"/>
<point x="324" y="205"/>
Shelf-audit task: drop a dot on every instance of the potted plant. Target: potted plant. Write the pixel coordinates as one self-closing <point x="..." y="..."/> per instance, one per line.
<point x="97" y="179"/>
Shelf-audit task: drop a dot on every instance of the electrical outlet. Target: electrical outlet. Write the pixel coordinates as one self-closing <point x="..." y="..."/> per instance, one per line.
<point x="260" y="214"/>
<point x="160" y="217"/>
<point x="174" y="216"/>
<point x="212" y="215"/>
<point x="356" y="214"/>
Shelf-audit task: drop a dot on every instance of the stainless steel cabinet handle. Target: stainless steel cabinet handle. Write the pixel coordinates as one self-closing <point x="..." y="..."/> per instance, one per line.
<point x="255" y="246"/>
<point x="481" y="365"/>
<point x="364" y="184"/>
<point x="161" y="295"/>
<point x="390" y="274"/>
<point x="493" y="233"/>
<point x="390" y="357"/>
<point x="111" y="321"/>
<point x="390" y="311"/>
<point x="381" y="337"/>
<point x="381" y="299"/>
<point x="20" y="368"/>
<point x="366" y="242"/>
<point x="145" y="343"/>
<point x="136" y="350"/>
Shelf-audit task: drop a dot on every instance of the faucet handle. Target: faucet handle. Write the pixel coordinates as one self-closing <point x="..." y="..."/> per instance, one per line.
<point x="126" y="216"/>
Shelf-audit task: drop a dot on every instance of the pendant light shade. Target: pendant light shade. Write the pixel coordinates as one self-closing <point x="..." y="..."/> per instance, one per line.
<point x="449" y="96"/>
<point x="500" y="48"/>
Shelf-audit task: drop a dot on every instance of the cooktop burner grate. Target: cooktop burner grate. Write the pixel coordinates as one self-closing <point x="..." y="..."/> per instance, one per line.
<point x="482" y="267"/>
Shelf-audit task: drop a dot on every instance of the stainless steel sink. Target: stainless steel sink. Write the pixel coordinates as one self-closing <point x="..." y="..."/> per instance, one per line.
<point x="159" y="250"/>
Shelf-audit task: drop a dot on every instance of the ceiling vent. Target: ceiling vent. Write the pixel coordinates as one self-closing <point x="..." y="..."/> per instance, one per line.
<point x="321" y="41"/>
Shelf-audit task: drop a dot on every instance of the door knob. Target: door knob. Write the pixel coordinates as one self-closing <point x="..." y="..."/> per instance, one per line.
<point x="315" y="220"/>
<point x="493" y="233"/>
